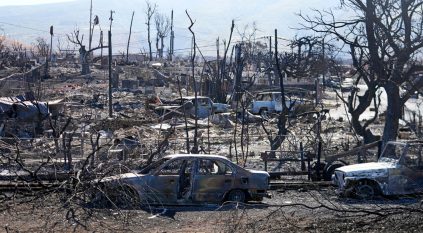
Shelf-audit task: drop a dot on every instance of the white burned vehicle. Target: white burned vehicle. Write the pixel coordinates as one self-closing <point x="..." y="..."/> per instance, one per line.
<point x="398" y="171"/>
<point x="267" y="102"/>
<point x="185" y="179"/>
<point x="271" y="102"/>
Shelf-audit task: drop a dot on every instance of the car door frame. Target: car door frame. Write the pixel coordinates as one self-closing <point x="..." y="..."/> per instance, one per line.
<point x="211" y="187"/>
<point x="413" y="174"/>
<point x="164" y="187"/>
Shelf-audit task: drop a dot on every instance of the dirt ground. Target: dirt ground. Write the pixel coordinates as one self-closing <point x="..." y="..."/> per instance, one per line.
<point x="287" y="211"/>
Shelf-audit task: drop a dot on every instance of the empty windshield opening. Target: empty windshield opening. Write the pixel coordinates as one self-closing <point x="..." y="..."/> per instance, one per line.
<point x="153" y="166"/>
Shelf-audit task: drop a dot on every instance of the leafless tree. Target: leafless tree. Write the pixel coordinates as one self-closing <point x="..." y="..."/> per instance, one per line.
<point x="223" y="70"/>
<point x="42" y="48"/>
<point x="385" y="43"/>
<point x="150" y="11"/>
<point x="162" y="23"/>
<point x="78" y="39"/>
<point x="306" y="60"/>
<point x="195" y="147"/>
<point x="276" y="141"/>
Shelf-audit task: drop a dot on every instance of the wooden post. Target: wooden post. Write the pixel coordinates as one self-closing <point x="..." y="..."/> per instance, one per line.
<point x="269" y="73"/>
<point x="51" y="41"/>
<point x="90" y="37"/>
<point x="238" y="73"/>
<point x="217" y="69"/>
<point x="101" y="53"/>
<point x="302" y="157"/>
<point x="324" y="65"/>
<point x="129" y="38"/>
<point x="265" y="164"/>
<point x="110" y="76"/>
<point x="308" y="167"/>
<point x="319" y="154"/>
<point x="172" y="38"/>
<point x="110" y="66"/>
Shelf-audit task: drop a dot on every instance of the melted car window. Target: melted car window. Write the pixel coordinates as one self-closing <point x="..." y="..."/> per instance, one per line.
<point x="392" y="153"/>
<point x="413" y="157"/>
<point x="172" y="168"/>
<point x="153" y="166"/>
<point x="213" y="167"/>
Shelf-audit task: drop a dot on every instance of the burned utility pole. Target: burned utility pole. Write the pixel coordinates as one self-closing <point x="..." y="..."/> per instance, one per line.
<point x="129" y="38"/>
<point x="172" y="38"/>
<point x="51" y="41"/>
<point x="101" y="45"/>
<point x="324" y="64"/>
<point x="217" y="66"/>
<point x="91" y="19"/>
<point x="48" y="52"/>
<point x="270" y="47"/>
<point x="238" y="73"/>
<point x="269" y="73"/>
<point x="110" y="66"/>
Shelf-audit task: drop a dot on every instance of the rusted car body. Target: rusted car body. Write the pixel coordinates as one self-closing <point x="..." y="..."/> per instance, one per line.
<point x="191" y="179"/>
<point x="398" y="171"/>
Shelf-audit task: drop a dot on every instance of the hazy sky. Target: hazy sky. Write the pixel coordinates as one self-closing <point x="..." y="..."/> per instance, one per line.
<point x="212" y="19"/>
<point x="29" y="2"/>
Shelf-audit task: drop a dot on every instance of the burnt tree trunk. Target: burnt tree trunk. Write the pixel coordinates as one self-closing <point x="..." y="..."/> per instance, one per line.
<point x="149" y="41"/>
<point x="161" y="46"/>
<point x="356" y="111"/>
<point x="393" y="112"/>
<point x="85" y="67"/>
<point x="276" y="142"/>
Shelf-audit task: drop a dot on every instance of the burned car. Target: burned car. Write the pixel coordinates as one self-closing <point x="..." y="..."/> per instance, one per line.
<point x="398" y="171"/>
<point x="187" y="179"/>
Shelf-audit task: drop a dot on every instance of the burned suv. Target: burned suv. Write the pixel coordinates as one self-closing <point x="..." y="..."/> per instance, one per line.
<point x="398" y="171"/>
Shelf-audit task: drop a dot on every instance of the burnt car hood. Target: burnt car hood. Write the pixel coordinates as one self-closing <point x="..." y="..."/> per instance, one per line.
<point x="368" y="169"/>
<point x="125" y="176"/>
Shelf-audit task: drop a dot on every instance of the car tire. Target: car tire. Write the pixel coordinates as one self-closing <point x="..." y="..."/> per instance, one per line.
<point x="365" y="190"/>
<point x="329" y="170"/>
<point x="236" y="195"/>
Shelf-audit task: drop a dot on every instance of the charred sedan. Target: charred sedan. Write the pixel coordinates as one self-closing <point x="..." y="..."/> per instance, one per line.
<point x="398" y="171"/>
<point x="187" y="179"/>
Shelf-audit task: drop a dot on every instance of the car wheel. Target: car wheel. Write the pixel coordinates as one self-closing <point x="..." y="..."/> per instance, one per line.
<point x="329" y="170"/>
<point x="365" y="190"/>
<point x="236" y="195"/>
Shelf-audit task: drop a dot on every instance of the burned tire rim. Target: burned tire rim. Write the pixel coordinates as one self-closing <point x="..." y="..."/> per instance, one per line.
<point x="236" y="196"/>
<point x="365" y="191"/>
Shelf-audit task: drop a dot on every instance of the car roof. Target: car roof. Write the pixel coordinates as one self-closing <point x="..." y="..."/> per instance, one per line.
<point x="207" y="156"/>
<point x="268" y="92"/>
<point x="193" y="97"/>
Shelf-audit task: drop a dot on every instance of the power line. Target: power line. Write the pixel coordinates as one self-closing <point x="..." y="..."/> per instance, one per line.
<point x="30" y="28"/>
